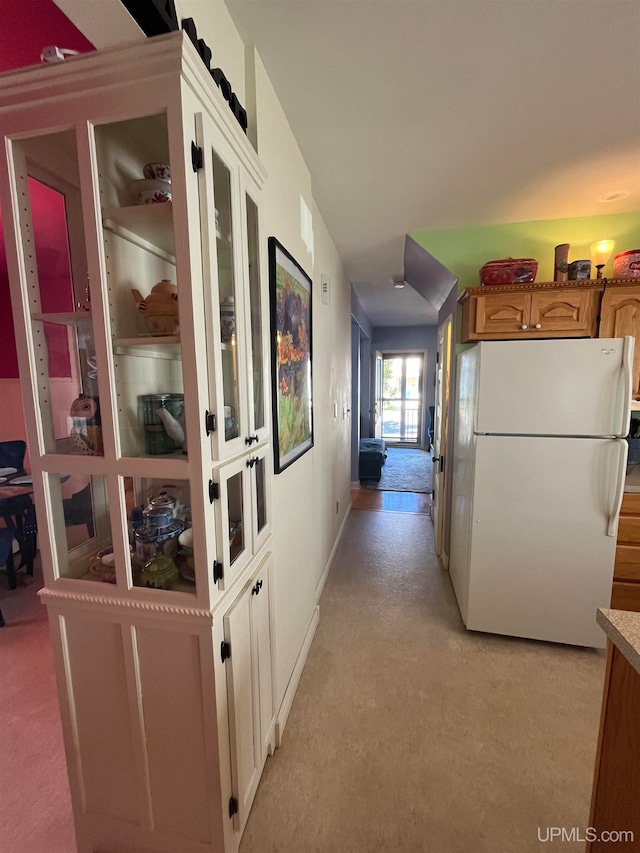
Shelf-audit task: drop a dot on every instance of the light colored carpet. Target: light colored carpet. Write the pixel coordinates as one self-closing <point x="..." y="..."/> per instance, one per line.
<point x="36" y="805"/>
<point x="407" y="469"/>
<point x="409" y="734"/>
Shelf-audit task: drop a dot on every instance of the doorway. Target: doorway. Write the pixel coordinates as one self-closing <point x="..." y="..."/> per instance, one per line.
<point x="401" y="401"/>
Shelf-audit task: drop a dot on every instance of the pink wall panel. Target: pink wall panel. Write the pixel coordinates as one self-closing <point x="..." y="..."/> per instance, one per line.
<point x="26" y="28"/>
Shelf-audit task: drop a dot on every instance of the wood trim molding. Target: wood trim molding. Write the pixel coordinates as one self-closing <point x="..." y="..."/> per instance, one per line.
<point x="582" y="284"/>
<point x="55" y="597"/>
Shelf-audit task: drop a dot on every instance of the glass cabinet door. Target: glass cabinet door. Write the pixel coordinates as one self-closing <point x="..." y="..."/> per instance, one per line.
<point x="83" y="545"/>
<point x="134" y="179"/>
<point x="233" y="508"/>
<point x="259" y="465"/>
<point x="224" y="282"/>
<point x="257" y="386"/>
<point x="56" y="287"/>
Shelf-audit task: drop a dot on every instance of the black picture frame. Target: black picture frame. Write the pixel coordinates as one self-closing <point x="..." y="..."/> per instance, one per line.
<point x="291" y="313"/>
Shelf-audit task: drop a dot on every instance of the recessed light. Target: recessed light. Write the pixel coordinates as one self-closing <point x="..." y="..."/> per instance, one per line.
<point x="614" y="196"/>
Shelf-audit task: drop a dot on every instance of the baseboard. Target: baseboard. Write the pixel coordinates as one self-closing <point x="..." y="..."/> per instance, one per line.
<point x="445" y="561"/>
<point x="290" y="692"/>
<point x="355" y="484"/>
<point x="329" y="563"/>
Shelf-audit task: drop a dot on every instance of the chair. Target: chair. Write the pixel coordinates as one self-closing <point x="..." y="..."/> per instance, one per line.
<point x="7" y="535"/>
<point x="78" y="509"/>
<point x="12" y="455"/>
<point x="19" y="516"/>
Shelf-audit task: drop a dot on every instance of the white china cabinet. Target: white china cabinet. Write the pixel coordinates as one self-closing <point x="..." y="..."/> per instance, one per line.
<point x="139" y="300"/>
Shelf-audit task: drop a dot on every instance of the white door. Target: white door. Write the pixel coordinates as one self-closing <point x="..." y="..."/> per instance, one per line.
<point x="441" y="429"/>
<point x="560" y="387"/>
<point x="543" y="536"/>
<point x="377" y="405"/>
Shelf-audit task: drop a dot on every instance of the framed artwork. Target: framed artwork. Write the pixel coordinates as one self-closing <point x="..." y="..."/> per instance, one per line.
<point x="290" y="301"/>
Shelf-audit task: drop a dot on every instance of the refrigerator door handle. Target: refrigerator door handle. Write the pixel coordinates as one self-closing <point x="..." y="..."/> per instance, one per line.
<point x="627" y="371"/>
<point x="612" y="529"/>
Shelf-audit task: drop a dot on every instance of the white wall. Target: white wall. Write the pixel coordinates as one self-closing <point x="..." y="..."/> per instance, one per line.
<point x="305" y="495"/>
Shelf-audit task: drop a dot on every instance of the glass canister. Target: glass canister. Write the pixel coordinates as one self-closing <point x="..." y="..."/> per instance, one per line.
<point x="157" y="439"/>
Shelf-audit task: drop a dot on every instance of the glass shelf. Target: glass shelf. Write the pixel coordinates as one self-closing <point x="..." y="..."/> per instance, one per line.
<point x="66" y="318"/>
<point x="152" y="223"/>
<point x="149" y="347"/>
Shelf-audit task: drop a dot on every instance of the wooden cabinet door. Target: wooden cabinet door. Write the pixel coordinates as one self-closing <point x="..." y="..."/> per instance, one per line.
<point x="261" y="624"/>
<point x="499" y="316"/>
<point x="564" y="313"/>
<point x="619" y="316"/>
<point x="246" y="763"/>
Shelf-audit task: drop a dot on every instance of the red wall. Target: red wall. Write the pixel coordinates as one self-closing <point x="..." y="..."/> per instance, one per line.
<point x="27" y="27"/>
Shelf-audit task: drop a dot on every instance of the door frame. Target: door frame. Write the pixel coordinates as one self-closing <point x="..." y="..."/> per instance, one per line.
<point x="440" y="505"/>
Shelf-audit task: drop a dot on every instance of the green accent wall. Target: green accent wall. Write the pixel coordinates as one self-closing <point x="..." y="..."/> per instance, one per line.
<point x="465" y="250"/>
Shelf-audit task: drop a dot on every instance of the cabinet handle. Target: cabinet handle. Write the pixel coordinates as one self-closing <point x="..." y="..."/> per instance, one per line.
<point x="250" y="439"/>
<point x="252" y="462"/>
<point x="538" y="326"/>
<point x="524" y="326"/>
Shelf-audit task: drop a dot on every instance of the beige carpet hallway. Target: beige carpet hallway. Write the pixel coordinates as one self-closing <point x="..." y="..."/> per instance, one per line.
<point x="410" y="734"/>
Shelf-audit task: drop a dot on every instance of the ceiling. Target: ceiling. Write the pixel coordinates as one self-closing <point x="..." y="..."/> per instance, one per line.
<point x="430" y="114"/>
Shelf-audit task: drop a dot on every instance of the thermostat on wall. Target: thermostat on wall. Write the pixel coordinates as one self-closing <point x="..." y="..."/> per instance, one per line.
<point x="325" y="289"/>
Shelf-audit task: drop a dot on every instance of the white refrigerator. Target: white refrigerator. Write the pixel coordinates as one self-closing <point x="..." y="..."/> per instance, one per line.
<point x="539" y="468"/>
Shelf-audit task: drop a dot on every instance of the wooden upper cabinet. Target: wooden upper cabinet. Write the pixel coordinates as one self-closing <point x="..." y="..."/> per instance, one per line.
<point x="507" y="312"/>
<point x="498" y="314"/>
<point x="619" y="316"/>
<point x="565" y="312"/>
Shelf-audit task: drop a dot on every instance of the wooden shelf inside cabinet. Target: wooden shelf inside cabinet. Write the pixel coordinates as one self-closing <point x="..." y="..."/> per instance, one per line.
<point x="152" y="223"/>
<point x="149" y="347"/>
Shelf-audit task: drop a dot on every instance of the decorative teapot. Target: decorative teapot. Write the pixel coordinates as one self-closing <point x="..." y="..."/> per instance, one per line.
<point x="160" y="308"/>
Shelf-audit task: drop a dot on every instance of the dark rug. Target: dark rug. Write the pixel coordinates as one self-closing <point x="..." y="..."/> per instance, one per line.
<point x="406" y="470"/>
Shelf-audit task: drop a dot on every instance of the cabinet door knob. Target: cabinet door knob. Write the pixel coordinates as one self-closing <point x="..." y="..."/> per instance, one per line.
<point x="524" y="326"/>
<point x="538" y="326"/>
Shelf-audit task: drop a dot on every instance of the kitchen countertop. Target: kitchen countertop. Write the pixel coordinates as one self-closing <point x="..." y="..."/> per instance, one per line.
<point x="632" y="482"/>
<point x="622" y="627"/>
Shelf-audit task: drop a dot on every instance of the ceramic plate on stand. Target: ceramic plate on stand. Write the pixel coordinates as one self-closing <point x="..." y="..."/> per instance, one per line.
<point x="6" y="471"/>
<point x="27" y="480"/>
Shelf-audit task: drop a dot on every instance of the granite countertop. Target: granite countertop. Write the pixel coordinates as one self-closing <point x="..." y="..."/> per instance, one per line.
<point x="622" y="627"/>
<point x="632" y="482"/>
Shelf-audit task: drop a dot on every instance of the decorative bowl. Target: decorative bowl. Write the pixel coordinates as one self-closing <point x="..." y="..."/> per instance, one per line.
<point x="160" y="572"/>
<point x="627" y="264"/>
<point x="151" y="191"/>
<point x="159" y="171"/>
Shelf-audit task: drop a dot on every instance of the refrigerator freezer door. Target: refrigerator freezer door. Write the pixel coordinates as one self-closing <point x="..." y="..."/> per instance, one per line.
<point x="558" y="387"/>
<point x="541" y="560"/>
